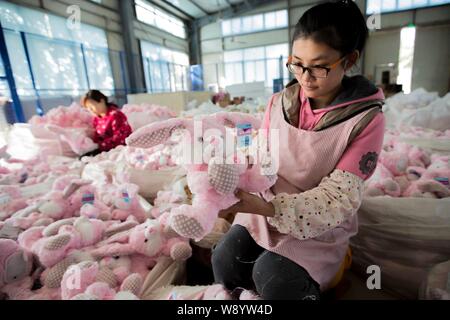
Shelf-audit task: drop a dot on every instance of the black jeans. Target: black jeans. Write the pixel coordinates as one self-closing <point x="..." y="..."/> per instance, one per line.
<point x="239" y="262"/>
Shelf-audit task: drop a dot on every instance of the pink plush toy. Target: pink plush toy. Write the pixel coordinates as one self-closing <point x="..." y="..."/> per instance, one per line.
<point x="11" y="200"/>
<point x="166" y="201"/>
<point x="416" y="156"/>
<point x="396" y="162"/>
<point x="128" y="203"/>
<point x="218" y="174"/>
<point x="211" y="292"/>
<point x="15" y="263"/>
<point x="17" y="273"/>
<point x="89" y="281"/>
<point x="432" y="183"/>
<point x="53" y="206"/>
<point x="156" y="158"/>
<point x="382" y="183"/>
<point x="151" y="239"/>
<point x="249" y="295"/>
<point x="88" y="200"/>
<point x="52" y="243"/>
<point x="435" y="181"/>
<point x="120" y="266"/>
<point x="78" y="141"/>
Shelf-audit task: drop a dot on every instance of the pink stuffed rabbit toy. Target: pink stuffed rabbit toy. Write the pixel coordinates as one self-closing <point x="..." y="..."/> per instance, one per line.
<point x="382" y="183"/>
<point x="11" y="201"/>
<point x="53" y="206"/>
<point x="90" y="281"/>
<point x="51" y="244"/>
<point x="151" y="239"/>
<point x="128" y="202"/>
<point x="213" y="178"/>
<point x="18" y="273"/>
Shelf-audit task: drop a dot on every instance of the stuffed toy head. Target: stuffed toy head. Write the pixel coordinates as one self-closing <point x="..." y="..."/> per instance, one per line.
<point x="15" y="262"/>
<point x="214" y="170"/>
<point x="153" y="239"/>
<point x="382" y="183"/>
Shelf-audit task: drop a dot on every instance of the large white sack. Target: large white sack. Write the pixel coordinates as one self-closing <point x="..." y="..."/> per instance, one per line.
<point x="405" y="237"/>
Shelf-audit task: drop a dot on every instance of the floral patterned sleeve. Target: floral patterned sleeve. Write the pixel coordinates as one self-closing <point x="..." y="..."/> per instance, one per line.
<point x="314" y="212"/>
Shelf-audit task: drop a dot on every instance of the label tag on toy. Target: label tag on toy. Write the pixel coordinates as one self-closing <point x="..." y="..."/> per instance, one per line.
<point x="140" y="158"/>
<point x="244" y="135"/>
<point x="88" y="198"/>
<point x="125" y="196"/>
<point x="442" y="180"/>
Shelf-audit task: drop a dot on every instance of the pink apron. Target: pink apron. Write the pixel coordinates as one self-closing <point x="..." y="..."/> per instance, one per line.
<point x="305" y="158"/>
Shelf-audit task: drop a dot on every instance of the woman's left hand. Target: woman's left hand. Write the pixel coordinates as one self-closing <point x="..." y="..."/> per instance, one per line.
<point x="249" y="203"/>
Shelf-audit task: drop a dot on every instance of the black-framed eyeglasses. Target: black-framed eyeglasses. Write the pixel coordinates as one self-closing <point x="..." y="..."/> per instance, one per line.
<point x="315" y="72"/>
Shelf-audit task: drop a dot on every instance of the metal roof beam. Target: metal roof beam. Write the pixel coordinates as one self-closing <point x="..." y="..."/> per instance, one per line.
<point x="237" y="9"/>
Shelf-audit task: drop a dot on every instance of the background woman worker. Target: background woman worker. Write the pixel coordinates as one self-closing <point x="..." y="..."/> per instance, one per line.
<point x="110" y="124"/>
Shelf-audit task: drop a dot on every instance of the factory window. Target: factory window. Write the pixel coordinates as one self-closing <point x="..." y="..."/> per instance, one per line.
<point x="254" y="23"/>
<point x="256" y="64"/>
<point x="379" y="6"/>
<point x="59" y="53"/>
<point x="165" y="70"/>
<point x="151" y="15"/>
<point x="406" y="57"/>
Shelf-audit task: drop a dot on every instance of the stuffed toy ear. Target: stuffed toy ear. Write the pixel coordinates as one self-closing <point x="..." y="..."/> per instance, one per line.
<point x="74" y="186"/>
<point x="224" y="178"/>
<point x="53" y="228"/>
<point x="121" y="227"/>
<point x="113" y="249"/>
<point x="232" y="119"/>
<point x="155" y="133"/>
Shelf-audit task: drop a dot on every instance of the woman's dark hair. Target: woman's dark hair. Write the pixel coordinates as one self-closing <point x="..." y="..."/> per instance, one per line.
<point x="95" y="95"/>
<point x="339" y="24"/>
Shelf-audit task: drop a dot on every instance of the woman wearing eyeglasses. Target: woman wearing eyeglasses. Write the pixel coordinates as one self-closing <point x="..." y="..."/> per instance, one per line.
<point x="291" y="242"/>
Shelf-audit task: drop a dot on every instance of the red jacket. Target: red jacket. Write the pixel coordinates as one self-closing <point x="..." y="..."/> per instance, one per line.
<point x="112" y="129"/>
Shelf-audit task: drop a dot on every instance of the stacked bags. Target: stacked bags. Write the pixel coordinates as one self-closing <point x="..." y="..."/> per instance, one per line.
<point x="420" y="109"/>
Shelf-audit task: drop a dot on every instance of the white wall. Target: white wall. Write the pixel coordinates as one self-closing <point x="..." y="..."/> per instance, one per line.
<point x="381" y="48"/>
<point x="431" y="64"/>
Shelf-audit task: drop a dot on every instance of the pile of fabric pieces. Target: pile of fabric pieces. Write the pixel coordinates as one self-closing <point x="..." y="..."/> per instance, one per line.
<point x="419" y="109"/>
<point x="139" y="115"/>
<point x="406" y="170"/>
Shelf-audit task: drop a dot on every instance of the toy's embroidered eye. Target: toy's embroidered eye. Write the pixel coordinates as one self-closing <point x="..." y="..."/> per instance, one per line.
<point x="116" y="257"/>
<point x="146" y="240"/>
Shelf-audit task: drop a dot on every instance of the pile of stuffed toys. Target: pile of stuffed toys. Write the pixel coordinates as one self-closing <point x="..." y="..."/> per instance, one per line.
<point x="64" y="236"/>
<point x="404" y="170"/>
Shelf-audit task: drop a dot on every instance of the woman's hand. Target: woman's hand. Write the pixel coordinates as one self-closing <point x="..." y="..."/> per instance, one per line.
<point x="249" y="203"/>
